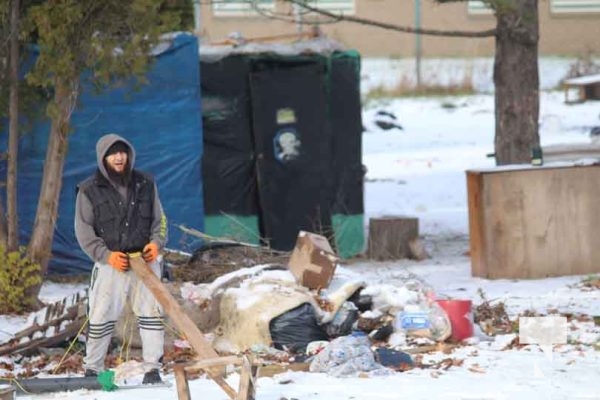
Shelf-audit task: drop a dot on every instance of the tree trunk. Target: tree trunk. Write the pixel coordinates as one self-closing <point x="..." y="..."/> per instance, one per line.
<point x="390" y="237"/>
<point x="39" y="249"/>
<point x="3" y="228"/>
<point x="516" y="81"/>
<point x="13" y="131"/>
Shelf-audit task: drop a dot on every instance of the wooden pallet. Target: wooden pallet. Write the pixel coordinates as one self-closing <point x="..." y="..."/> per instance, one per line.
<point x="49" y="326"/>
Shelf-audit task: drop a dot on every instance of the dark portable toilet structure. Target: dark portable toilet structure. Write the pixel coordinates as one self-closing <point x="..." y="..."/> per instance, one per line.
<point x="282" y="144"/>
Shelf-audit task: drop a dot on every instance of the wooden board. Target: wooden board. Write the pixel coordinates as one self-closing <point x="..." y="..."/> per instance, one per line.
<point x="476" y="223"/>
<point x="194" y="336"/>
<point x="247" y="388"/>
<point x="270" y="370"/>
<point x="183" y="388"/>
<point x="534" y="222"/>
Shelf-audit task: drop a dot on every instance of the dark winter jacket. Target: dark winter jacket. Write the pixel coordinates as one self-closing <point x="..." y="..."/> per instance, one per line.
<point x="113" y="214"/>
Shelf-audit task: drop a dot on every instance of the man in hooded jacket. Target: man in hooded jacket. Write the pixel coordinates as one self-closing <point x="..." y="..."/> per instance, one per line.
<point x="117" y="213"/>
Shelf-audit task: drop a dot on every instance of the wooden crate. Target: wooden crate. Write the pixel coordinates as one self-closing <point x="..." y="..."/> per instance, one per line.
<point x="534" y="222"/>
<point x="585" y="87"/>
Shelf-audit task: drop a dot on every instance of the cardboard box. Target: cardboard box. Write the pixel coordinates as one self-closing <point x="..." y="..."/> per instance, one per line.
<point x="313" y="262"/>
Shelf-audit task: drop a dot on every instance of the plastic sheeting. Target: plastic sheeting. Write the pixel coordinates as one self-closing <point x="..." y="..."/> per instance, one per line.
<point x="163" y="122"/>
<point x="348" y="356"/>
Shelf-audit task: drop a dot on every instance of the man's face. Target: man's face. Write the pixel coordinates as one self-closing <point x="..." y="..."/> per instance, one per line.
<point x="117" y="161"/>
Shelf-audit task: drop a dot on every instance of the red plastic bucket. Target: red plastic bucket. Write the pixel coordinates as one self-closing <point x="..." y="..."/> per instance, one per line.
<point x="461" y="317"/>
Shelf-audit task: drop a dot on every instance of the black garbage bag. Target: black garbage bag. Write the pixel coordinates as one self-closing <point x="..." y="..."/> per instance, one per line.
<point x="343" y="322"/>
<point x="295" y="329"/>
<point x="383" y="333"/>
<point x="363" y="302"/>
<point x="395" y="359"/>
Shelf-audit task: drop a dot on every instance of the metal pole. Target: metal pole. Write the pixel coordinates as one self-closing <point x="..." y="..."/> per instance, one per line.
<point x="418" y="47"/>
<point x="197" y="16"/>
<point x="298" y="17"/>
<point x="49" y="385"/>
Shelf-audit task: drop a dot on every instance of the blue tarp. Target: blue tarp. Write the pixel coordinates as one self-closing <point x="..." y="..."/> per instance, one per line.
<point x="163" y="122"/>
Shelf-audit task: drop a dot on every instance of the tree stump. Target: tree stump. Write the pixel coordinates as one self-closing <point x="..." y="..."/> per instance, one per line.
<point x="390" y="237"/>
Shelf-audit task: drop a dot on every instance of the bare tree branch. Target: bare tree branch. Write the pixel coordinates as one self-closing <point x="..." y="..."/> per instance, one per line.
<point x="406" y="29"/>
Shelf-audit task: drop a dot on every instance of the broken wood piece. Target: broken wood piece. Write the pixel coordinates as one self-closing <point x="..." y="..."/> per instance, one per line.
<point x="62" y="321"/>
<point x="270" y="370"/>
<point x="443" y="347"/>
<point x="246" y="389"/>
<point x="212" y="362"/>
<point x="183" y="388"/>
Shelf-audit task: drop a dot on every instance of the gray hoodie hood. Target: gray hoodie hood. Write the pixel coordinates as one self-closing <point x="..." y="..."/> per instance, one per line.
<point x="104" y="144"/>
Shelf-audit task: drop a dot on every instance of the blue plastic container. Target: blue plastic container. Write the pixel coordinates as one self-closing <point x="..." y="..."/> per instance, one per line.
<point x="413" y="320"/>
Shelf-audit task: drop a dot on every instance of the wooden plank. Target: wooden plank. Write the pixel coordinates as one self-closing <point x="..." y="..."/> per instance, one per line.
<point x="211" y="362"/>
<point x="246" y="388"/>
<point x="442" y="347"/>
<point x="183" y="388"/>
<point x="476" y="223"/>
<point x="27" y="345"/>
<point x="270" y="370"/>
<point x="505" y="238"/>
<point x="194" y="336"/>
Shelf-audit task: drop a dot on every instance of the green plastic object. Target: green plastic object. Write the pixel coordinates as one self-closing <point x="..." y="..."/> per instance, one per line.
<point x="107" y="380"/>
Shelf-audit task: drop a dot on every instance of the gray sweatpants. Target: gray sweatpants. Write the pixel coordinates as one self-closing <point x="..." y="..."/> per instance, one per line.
<point x="109" y="290"/>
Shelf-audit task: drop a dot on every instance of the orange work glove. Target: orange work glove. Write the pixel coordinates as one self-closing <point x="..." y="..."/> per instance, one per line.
<point x="150" y="252"/>
<point x="119" y="261"/>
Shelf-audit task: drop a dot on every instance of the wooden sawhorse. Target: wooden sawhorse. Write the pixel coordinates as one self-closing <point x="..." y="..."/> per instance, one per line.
<point x="208" y="359"/>
<point x="246" y="390"/>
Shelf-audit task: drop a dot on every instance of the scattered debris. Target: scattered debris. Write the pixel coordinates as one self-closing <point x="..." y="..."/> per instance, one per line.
<point x="218" y="259"/>
<point x="591" y="282"/>
<point x="232" y="273"/>
<point x="492" y="319"/>
<point x="49" y="326"/>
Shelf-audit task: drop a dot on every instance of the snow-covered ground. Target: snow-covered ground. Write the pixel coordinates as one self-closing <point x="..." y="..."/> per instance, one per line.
<point x="420" y="171"/>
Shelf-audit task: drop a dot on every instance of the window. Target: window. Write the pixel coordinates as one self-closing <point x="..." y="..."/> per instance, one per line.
<point x="335" y="6"/>
<point x="475" y="7"/>
<point x="574" y="6"/>
<point x="241" y="8"/>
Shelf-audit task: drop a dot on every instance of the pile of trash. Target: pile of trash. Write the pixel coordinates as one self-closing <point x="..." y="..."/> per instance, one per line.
<point x="319" y="313"/>
<point x="308" y="310"/>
